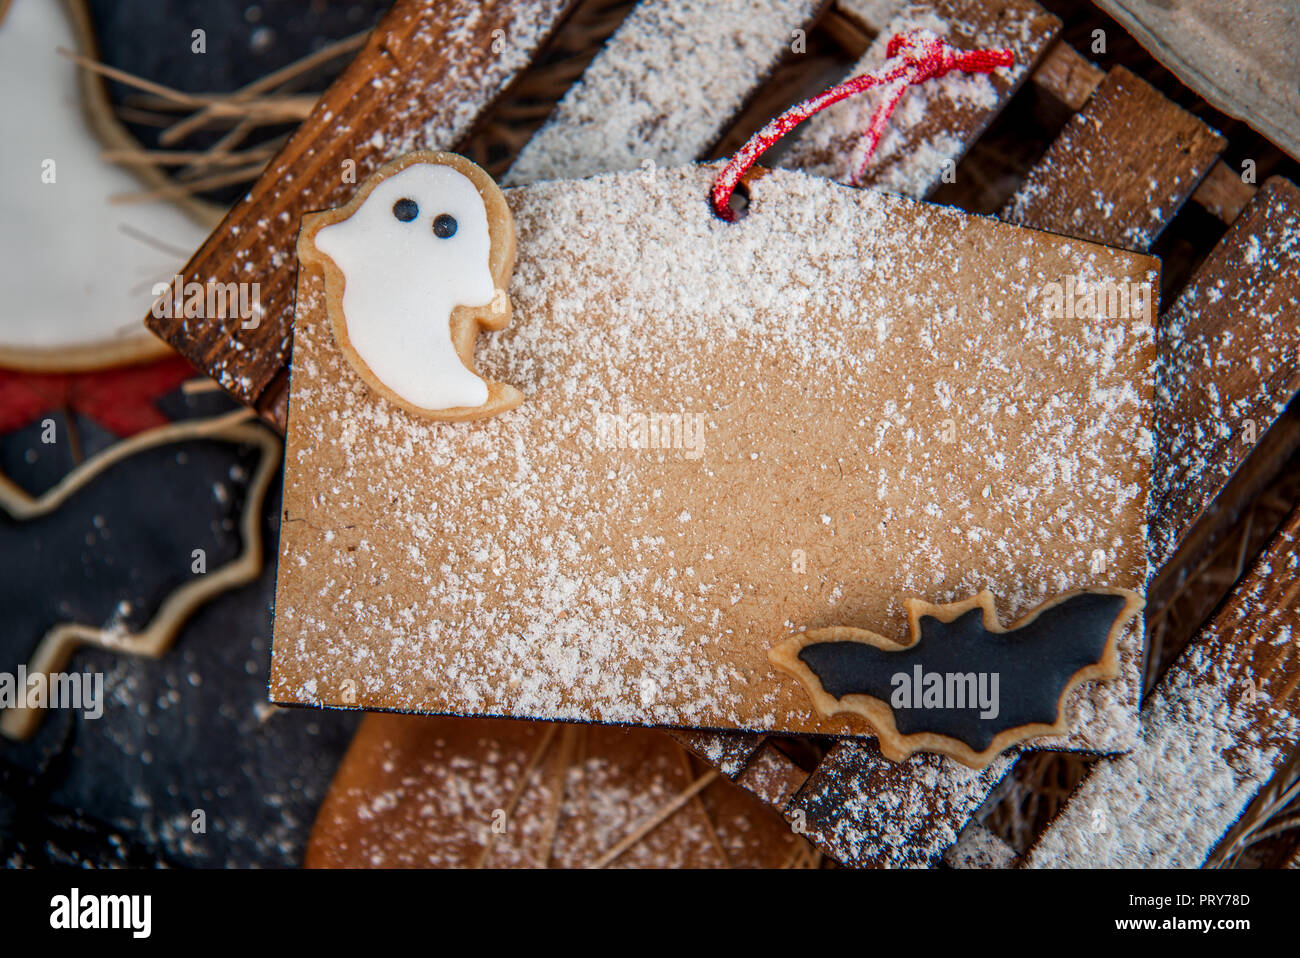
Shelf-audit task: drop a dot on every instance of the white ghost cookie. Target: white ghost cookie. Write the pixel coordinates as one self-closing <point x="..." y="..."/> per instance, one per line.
<point x="415" y="265"/>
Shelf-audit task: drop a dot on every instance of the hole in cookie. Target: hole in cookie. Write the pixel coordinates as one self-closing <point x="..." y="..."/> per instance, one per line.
<point x="739" y="203"/>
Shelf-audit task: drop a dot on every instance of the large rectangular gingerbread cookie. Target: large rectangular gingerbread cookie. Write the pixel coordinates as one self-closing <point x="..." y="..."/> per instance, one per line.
<point x="730" y="432"/>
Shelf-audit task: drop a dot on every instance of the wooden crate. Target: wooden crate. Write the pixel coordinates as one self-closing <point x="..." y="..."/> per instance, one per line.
<point x="1119" y="169"/>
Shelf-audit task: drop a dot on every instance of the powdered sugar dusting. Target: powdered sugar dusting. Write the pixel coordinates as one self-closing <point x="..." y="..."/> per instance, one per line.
<point x="1227" y="367"/>
<point x="664" y="88"/>
<point x="1213" y="733"/>
<point x="462" y="40"/>
<point x="909" y="822"/>
<point x="437" y="793"/>
<point x="523" y="566"/>
<point x="978" y="847"/>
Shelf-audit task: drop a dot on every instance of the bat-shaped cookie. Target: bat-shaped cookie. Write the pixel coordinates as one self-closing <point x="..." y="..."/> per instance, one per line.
<point x="964" y="685"/>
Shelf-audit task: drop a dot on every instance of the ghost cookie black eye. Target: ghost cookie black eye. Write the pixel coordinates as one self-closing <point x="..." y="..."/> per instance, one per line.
<point x="444" y="226"/>
<point x="406" y="210"/>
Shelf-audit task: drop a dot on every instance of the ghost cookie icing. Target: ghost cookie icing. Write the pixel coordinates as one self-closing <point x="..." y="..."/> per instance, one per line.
<point x="415" y="265"/>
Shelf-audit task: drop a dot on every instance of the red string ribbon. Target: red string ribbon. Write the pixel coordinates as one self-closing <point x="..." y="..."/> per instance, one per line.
<point x="912" y="58"/>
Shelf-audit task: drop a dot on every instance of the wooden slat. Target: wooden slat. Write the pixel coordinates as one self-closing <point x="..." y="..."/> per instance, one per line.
<point x="726" y="751"/>
<point x="426" y="74"/>
<point x="1120" y="169"/>
<point x="871" y="16"/>
<point x="1229" y="362"/>
<point x="1223" y="192"/>
<point x="936" y="122"/>
<point x="1238" y="522"/>
<point x="772" y="776"/>
<point x="866" y="811"/>
<point x="1222" y="721"/>
<point x="1067" y="76"/>
<point x="978" y="847"/>
<point x="665" y="87"/>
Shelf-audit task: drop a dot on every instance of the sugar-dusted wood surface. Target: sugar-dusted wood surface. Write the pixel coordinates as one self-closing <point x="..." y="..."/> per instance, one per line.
<point x="935" y="122"/>
<point x="1120" y="169"/>
<point x="1229" y="362"/>
<point x="665" y="87"/>
<point x="979" y="847"/>
<point x="728" y="752"/>
<point x="426" y="74"/>
<point x="1238" y="520"/>
<point x="1222" y="721"/>
<point x="866" y="811"/>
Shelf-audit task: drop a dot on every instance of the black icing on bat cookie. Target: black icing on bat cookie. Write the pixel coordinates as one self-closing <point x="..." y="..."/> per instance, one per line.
<point x="963" y="685"/>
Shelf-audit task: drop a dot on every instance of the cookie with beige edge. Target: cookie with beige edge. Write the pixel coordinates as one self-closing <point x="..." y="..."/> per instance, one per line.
<point x="963" y="685"/>
<point x="56" y="647"/>
<point x="78" y="267"/>
<point x="416" y="264"/>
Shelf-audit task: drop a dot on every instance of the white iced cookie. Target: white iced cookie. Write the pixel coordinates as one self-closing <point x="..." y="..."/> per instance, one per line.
<point x="415" y="265"/>
<point x="76" y="269"/>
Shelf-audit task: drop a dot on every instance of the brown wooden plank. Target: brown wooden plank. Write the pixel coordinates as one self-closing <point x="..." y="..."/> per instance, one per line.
<point x="1223" y="192"/>
<point x="1222" y="543"/>
<point x="1219" y="725"/>
<point x="1067" y="76"/>
<point x="936" y="122"/>
<point x="1120" y="169"/>
<point x="1022" y="24"/>
<point x="772" y="776"/>
<point x="427" y="72"/>
<point x="869" y="16"/>
<point x="1229" y="362"/>
<point x="866" y="811"/>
